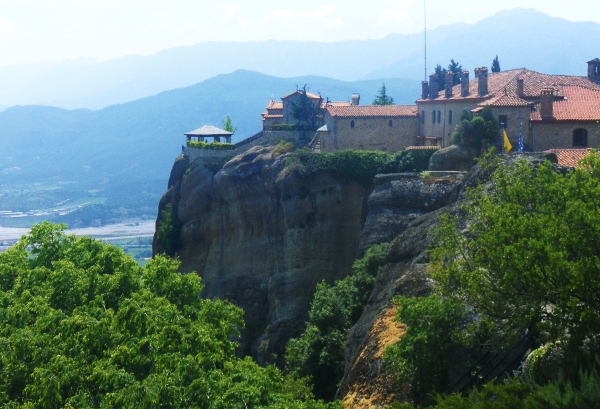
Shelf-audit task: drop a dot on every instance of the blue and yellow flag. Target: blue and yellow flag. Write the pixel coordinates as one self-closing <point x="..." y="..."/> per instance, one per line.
<point x="507" y="145"/>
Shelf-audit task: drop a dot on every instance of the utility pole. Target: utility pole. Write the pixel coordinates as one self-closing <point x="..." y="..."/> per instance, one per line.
<point x="425" y="35"/>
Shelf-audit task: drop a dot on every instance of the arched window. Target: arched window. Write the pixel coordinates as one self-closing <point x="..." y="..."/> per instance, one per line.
<point x="450" y="116"/>
<point x="351" y="124"/>
<point x="580" y="137"/>
<point x="439" y="117"/>
<point x="433" y="117"/>
<point x="390" y="123"/>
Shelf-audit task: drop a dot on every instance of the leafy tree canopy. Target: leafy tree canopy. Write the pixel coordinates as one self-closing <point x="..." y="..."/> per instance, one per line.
<point x="455" y="68"/>
<point x="228" y="126"/>
<point x="473" y="131"/>
<point x="382" y="98"/>
<point x="530" y="259"/>
<point x="83" y="326"/>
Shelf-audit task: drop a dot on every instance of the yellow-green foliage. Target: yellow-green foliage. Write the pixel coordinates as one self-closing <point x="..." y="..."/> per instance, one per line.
<point x="282" y="147"/>
<point x="216" y="146"/>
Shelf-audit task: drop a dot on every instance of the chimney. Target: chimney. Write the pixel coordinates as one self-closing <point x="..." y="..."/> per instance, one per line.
<point x="546" y="100"/>
<point x="433" y="86"/>
<point x="449" y="83"/>
<point x="482" y="81"/>
<point x="594" y="70"/>
<point x="355" y="99"/>
<point x="520" y="87"/>
<point x="464" y="84"/>
<point x="424" y="90"/>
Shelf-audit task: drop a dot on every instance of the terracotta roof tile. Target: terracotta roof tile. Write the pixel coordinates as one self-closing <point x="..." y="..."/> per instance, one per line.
<point x="505" y="83"/>
<point x="308" y="94"/>
<point x="275" y="105"/>
<point x="507" y="101"/>
<point x="372" y="111"/>
<point x="570" y="157"/>
<point x="337" y="104"/>
<point x="580" y="104"/>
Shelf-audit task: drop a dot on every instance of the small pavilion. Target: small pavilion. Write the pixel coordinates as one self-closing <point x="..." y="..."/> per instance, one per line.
<point x="209" y="131"/>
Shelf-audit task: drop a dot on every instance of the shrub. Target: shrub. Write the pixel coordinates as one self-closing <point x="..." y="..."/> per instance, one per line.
<point x="283" y="146"/>
<point x="216" y="146"/>
<point x="319" y="352"/>
<point x="168" y="233"/>
<point x="359" y="166"/>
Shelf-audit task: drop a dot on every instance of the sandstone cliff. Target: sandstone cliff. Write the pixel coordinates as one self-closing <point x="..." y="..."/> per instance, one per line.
<point x="263" y="237"/>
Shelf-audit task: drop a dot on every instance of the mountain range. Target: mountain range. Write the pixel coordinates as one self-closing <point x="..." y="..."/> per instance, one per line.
<point x="520" y="37"/>
<point x="127" y="150"/>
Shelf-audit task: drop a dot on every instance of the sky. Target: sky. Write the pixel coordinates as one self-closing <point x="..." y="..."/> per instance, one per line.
<point x="34" y="31"/>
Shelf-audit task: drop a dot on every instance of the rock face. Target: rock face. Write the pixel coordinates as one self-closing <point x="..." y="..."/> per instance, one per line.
<point x="454" y="158"/>
<point x="366" y="382"/>
<point x="263" y="237"/>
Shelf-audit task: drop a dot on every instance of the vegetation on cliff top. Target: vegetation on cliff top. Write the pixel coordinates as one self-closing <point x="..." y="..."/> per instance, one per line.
<point x="359" y="166"/>
<point x="82" y="325"/>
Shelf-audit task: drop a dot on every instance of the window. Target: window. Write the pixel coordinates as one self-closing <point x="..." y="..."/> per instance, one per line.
<point x="422" y="117"/>
<point x="580" y="137"/>
<point x="503" y="121"/>
<point x="351" y="124"/>
<point x="433" y="117"/>
<point x="450" y="116"/>
<point x="390" y="123"/>
<point x="439" y="117"/>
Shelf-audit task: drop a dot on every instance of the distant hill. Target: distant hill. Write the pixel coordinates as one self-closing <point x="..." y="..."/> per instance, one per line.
<point x="125" y="152"/>
<point x="520" y="37"/>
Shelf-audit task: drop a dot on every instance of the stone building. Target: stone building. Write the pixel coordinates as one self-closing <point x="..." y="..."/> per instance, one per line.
<point x="556" y="111"/>
<point x="371" y="127"/>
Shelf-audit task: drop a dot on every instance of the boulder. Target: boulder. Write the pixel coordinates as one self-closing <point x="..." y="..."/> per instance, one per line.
<point x="454" y="158"/>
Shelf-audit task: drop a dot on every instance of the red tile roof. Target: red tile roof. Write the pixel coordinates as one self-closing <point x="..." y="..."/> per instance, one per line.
<point x="355" y="111"/>
<point x="570" y="157"/>
<point x="507" y="101"/>
<point x="505" y="83"/>
<point x="580" y="104"/>
<point x="275" y="105"/>
<point x="337" y="104"/>
<point x="308" y="94"/>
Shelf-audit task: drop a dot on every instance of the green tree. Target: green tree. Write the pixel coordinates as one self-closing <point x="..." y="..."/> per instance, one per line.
<point x="168" y="232"/>
<point x="228" y="126"/>
<point x="476" y="129"/>
<point x="319" y="352"/>
<point x="530" y="259"/>
<point x="382" y="98"/>
<point x="308" y="111"/>
<point x="419" y="358"/>
<point x="82" y="325"/>
<point x="441" y="77"/>
<point x="496" y="65"/>
<point x="456" y="69"/>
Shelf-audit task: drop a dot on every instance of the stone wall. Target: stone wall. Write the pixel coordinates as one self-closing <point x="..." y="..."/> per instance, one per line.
<point x="559" y="134"/>
<point x="373" y="133"/>
<point x="443" y="128"/>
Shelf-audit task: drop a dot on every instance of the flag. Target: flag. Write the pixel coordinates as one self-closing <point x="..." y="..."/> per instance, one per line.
<point x="521" y="138"/>
<point x="507" y="145"/>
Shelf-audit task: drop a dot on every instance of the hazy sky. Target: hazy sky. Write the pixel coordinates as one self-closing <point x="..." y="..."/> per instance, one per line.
<point x="55" y="30"/>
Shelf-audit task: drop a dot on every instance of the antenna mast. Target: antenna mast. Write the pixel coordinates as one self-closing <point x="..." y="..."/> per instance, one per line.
<point x="425" y="34"/>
